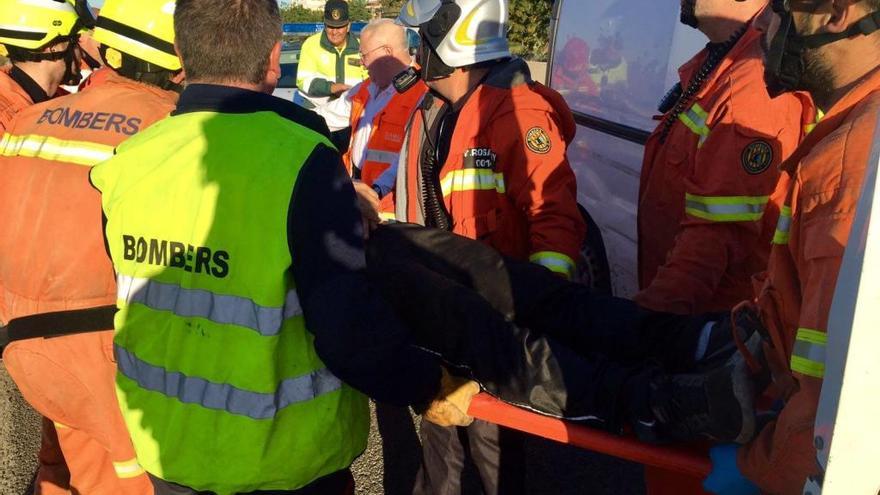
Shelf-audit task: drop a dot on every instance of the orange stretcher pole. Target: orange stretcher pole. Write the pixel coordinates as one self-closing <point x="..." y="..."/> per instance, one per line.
<point x="490" y="409"/>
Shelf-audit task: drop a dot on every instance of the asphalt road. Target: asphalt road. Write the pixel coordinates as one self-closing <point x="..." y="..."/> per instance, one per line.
<point x="19" y="438"/>
<point x="553" y="469"/>
<point x="388" y="466"/>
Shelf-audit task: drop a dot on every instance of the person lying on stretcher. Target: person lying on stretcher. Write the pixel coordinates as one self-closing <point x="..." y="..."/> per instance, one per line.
<point x="537" y="341"/>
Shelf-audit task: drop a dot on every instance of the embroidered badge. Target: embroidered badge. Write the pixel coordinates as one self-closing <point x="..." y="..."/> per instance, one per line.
<point x="538" y="141"/>
<point x="757" y="157"/>
<point x="335" y="14"/>
<point x="356" y="62"/>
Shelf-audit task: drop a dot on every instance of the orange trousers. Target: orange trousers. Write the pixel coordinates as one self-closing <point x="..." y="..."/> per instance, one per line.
<point x="70" y="381"/>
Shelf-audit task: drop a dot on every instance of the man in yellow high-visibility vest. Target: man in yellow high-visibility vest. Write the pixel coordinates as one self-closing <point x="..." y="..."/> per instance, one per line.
<point x="330" y="63"/>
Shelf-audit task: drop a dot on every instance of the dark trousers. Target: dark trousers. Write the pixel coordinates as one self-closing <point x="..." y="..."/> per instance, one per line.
<point x="525" y="334"/>
<point x="338" y="483"/>
<point x="497" y="454"/>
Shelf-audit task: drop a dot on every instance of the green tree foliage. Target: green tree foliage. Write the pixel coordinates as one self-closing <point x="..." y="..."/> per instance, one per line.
<point x="390" y="8"/>
<point x="529" y="25"/>
<point x="297" y="13"/>
<point x="530" y="28"/>
<point x="357" y="9"/>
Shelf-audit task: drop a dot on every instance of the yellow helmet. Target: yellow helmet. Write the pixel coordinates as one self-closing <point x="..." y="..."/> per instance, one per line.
<point x="141" y="28"/>
<point x="31" y="24"/>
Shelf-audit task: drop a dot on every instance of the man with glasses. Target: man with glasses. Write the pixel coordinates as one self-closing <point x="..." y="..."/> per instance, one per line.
<point x="376" y="113"/>
<point x="329" y="63"/>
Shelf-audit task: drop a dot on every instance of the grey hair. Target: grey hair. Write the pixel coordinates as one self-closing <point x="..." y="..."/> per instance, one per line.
<point x="396" y="37"/>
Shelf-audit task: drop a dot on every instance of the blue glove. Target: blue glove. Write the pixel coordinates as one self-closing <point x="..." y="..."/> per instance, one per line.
<point x="725" y="478"/>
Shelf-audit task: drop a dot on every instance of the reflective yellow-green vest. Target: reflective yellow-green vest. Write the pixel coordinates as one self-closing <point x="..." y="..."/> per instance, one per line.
<point x="321" y="64"/>
<point x="218" y="378"/>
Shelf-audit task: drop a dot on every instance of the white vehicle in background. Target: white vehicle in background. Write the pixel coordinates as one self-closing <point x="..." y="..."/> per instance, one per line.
<point x="613" y="60"/>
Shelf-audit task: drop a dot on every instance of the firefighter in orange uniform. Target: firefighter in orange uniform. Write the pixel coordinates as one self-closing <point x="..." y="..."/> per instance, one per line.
<point x="57" y="277"/>
<point x="44" y="53"/>
<point x="376" y="113"/>
<point x="706" y="206"/>
<point x="484" y="157"/>
<point x="706" y="214"/>
<point x="39" y="65"/>
<point x="841" y="71"/>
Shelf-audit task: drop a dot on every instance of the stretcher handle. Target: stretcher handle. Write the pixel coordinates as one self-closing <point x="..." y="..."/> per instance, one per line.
<point x="490" y="409"/>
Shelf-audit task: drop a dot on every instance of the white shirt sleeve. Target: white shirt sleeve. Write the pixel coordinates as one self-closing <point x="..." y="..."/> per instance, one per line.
<point x="337" y="113"/>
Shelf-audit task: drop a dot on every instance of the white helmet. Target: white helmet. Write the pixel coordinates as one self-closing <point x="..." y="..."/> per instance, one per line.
<point x="460" y="32"/>
<point x="416" y="12"/>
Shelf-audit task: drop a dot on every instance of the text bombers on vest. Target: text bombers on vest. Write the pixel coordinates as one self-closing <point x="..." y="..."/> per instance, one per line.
<point x="175" y="254"/>
<point x="99" y="121"/>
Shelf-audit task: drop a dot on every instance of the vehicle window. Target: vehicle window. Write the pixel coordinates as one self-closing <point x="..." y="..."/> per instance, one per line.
<point x="413" y="41"/>
<point x="614" y="59"/>
<point x="289" y="62"/>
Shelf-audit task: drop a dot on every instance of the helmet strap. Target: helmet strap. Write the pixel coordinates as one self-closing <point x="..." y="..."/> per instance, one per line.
<point x="34" y="90"/>
<point x="786" y="66"/>
<point x="433" y="67"/>
<point x="72" y="76"/>
<point x="140" y="70"/>
<point x="432" y="33"/>
<point x="72" y="73"/>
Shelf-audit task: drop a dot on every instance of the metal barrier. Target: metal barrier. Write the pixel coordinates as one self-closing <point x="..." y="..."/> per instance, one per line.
<point x="490" y="409"/>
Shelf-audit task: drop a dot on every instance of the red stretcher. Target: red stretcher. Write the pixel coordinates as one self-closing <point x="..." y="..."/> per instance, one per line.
<point x="490" y="409"/>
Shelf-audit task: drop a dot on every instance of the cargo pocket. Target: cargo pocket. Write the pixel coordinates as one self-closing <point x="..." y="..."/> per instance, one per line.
<point x="677" y="167"/>
<point x="480" y="227"/>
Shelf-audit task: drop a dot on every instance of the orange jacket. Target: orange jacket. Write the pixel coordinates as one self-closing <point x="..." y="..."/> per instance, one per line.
<point x="506" y="179"/>
<point x="53" y="258"/>
<point x="826" y="175"/>
<point x="706" y="213"/>
<point x="52" y="254"/>
<point x="13" y="98"/>
<point x="388" y="130"/>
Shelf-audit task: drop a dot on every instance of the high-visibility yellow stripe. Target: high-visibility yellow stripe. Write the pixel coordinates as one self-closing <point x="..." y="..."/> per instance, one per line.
<point x="725" y="208"/>
<point x="809" y="127"/>
<point x="49" y="148"/>
<point x="555" y="262"/>
<point x="695" y="120"/>
<point x="128" y="469"/>
<point x="472" y="179"/>
<point x="387" y="216"/>
<point x="783" y="226"/>
<point x="808" y="355"/>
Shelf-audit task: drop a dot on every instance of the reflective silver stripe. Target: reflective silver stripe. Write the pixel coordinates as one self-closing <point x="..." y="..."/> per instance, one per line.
<point x="219" y="308"/>
<point x="808" y="354"/>
<point x="695" y="119"/>
<point x="54" y="149"/>
<point x="223" y="396"/>
<point x="725" y="208"/>
<point x="382" y="156"/>
<point x="729" y="209"/>
<point x="810" y="351"/>
<point x="783" y="226"/>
